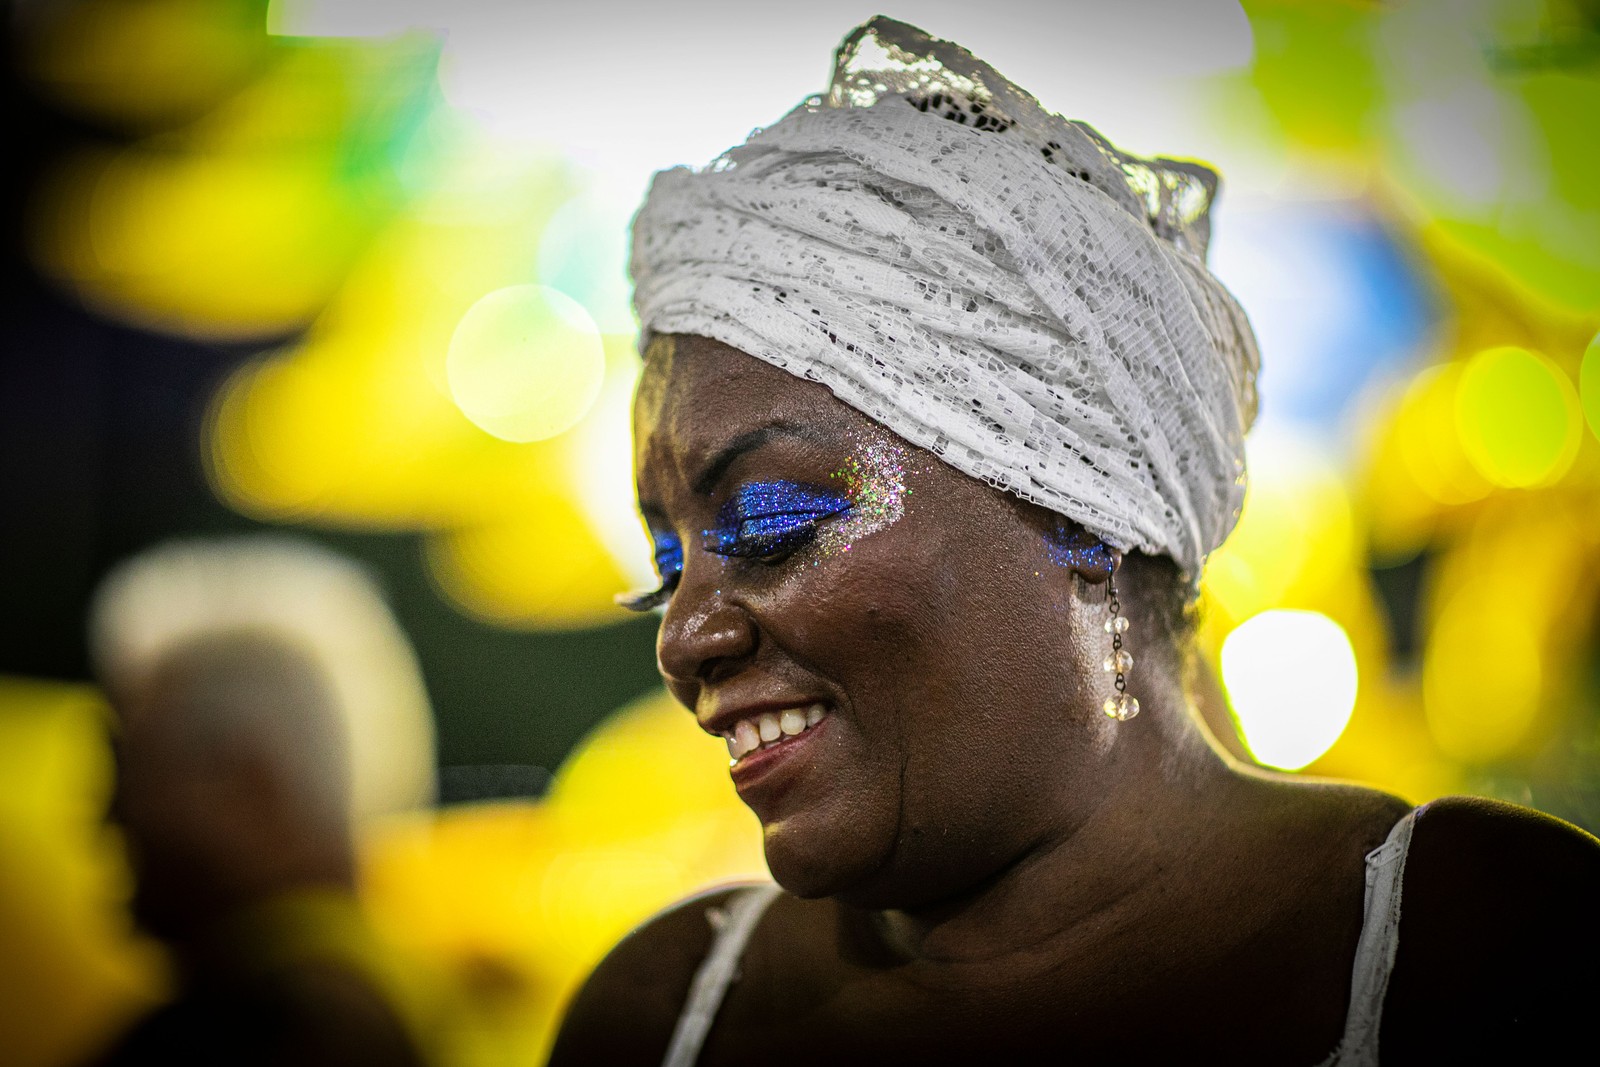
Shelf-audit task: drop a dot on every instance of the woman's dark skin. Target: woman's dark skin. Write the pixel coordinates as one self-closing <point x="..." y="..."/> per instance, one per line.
<point x="984" y="868"/>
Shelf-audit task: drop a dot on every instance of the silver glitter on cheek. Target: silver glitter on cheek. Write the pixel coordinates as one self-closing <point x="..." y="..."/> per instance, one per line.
<point x="875" y="481"/>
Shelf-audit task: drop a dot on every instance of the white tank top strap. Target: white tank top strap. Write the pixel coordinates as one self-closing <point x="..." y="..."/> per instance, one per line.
<point x="734" y="924"/>
<point x="1375" y="951"/>
<point x="1369" y="980"/>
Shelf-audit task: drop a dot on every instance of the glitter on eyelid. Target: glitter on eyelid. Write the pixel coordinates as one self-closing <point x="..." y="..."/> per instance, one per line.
<point x="668" y="553"/>
<point x="875" y="481"/>
<point x="765" y="518"/>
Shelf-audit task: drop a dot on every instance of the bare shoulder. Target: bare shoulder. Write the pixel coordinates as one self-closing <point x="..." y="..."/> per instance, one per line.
<point x="1474" y="852"/>
<point x="1526" y="881"/>
<point x="1499" y="931"/>
<point x="626" y="1011"/>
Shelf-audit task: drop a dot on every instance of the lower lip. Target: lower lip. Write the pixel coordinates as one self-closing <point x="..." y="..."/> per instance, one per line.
<point x="761" y="764"/>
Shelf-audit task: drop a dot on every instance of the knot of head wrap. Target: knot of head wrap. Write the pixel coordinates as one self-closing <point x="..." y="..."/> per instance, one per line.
<point x="987" y="280"/>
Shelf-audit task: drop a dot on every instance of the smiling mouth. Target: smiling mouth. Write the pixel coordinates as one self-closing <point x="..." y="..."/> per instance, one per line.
<point x="770" y="729"/>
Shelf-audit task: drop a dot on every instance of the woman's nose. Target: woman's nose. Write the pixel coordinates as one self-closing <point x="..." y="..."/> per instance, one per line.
<point x="703" y="634"/>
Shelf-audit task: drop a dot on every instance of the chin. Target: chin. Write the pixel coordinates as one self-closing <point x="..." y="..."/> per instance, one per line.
<point x="874" y="876"/>
<point x="847" y="867"/>
<point x="810" y="864"/>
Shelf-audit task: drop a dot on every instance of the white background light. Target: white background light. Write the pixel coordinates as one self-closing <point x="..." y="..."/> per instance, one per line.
<point x="627" y="87"/>
<point x="1291" y="678"/>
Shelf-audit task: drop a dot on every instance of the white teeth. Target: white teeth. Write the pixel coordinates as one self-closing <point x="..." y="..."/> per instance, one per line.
<point x="770" y="727"/>
<point x="745" y="739"/>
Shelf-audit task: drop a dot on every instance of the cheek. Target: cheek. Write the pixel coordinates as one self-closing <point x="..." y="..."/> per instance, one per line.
<point x="967" y="659"/>
<point x="860" y="618"/>
<point x="955" y="665"/>
<point x="922" y="629"/>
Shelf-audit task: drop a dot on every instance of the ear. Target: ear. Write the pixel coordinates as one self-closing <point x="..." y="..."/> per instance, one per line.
<point x="1081" y="552"/>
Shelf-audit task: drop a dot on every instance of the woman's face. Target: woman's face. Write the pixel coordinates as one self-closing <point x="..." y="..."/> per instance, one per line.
<point x="829" y="569"/>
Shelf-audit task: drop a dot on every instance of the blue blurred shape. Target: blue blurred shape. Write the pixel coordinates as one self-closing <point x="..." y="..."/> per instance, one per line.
<point x="1333" y="294"/>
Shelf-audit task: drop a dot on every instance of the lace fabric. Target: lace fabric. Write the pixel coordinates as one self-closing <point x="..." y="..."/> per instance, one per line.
<point x="1376" y="950"/>
<point x="990" y="281"/>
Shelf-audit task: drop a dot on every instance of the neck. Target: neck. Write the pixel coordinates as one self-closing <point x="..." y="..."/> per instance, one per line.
<point x="1167" y="795"/>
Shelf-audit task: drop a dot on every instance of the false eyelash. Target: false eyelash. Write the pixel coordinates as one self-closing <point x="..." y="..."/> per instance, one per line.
<point x="669" y="564"/>
<point x="643" y="602"/>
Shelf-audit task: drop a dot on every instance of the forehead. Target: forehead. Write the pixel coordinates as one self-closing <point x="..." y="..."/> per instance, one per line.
<point x="697" y="394"/>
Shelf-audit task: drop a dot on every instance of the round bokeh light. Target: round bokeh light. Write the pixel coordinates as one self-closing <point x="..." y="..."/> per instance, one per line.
<point x="1518" y="417"/>
<point x="525" y="363"/>
<point x="1589" y="384"/>
<point x="1291" y="679"/>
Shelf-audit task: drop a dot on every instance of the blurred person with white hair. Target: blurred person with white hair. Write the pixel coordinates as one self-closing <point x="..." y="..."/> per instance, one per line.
<point x="268" y="706"/>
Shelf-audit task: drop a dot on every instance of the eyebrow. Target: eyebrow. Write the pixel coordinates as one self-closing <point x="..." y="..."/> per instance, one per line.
<point x="745" y="443"/>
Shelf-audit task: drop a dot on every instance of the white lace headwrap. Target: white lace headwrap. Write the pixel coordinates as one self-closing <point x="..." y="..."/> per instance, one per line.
<point x="988" y="280"/>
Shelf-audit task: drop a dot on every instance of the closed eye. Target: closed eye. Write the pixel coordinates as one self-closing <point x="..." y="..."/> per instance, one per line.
<point x="762" y="520"/>
<point x="770" y="520"/>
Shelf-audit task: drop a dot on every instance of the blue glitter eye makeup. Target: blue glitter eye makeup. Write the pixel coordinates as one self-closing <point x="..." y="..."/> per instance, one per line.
<point x="669" y="557"/>
<point x="1073" y="546"/>
<point x="767" y="519"/>
<point x="669" y="565"/>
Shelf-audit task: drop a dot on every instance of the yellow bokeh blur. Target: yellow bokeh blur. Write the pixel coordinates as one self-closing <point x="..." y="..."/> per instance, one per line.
<point x="521" y="899"/>
<point x="1589" y="385"/>
<point x="1518" y="417"/>
<point x="1430" y="443"/>
<point x="1480" y="679"/>
<point x="512" y="903"/>
<point x="1296" y="539"/>
<point x="544" y="567"/>
<point x="72" y="971"/>
<point x="1501" y="633"/>
<point x="649" y="781"/>
<point x="230" y="246"/>
<point x="243" y="220"/>
<point x="432" y="395"/>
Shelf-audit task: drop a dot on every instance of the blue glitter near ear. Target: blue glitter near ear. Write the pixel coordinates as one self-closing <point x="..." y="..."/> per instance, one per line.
<point x="772" y="518"/>
<point x="1070" y="545"/>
